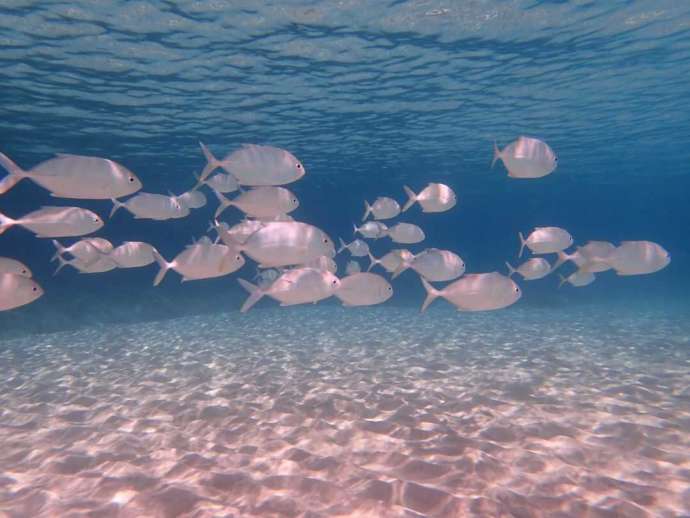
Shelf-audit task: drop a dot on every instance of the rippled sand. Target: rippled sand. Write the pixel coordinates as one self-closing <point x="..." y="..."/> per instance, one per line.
<point x="321" y="412"/>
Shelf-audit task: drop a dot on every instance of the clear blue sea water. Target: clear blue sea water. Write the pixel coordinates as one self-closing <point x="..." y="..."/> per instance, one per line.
<point x="370" y="96"/>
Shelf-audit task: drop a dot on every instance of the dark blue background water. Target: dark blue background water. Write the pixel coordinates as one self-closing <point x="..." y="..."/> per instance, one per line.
<point x="401" y="95"/>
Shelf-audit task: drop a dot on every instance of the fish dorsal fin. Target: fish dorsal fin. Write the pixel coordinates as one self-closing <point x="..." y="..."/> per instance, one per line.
<point x="72" y="155"/>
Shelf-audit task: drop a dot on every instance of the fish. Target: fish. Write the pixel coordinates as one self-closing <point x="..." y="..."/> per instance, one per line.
<point x="476" y="292"/>
<point x="101" y="264"/>
<point x="223" y="182"/>
<point x="133" y="254"/>
<point x="158" y="207"/>
<point x="256" y="165"/>
<point x="192" y="199"/>
<point x="372" y="229"/>
<point x="260" y="202"/>
<point x="357" y="248"/>
<point x="434" y="265"/>
<point x="578" y="279"/>
<point x="545" y="240"/>
<point x="532" y="269"/>
<point x="266" y="277"/>
<point x="9" y="265"/>
<point x="435" y="197"/>
<point x="75" y="176"/>
<point x="527" y="157"/>
<point x="284" y="243"/>
<point x="17" y="290"/>
<point x="382" y="208"/>
<point x="56" y="222"/>
<point x="363" y="289"/>
<point x="392" y="260"/>
<point x="200" y="261"/>
<point x="638" y="258"/>
<point x="352" y="266"/>
<point x="296" y="286"/>
<point x="87" y="250"/>
<point x="406" y="233"/>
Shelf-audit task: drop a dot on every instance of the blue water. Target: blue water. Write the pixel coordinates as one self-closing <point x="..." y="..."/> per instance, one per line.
<point x="370" y="96"/>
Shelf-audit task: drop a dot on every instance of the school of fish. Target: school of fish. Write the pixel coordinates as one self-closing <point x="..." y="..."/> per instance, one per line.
<point x="295" y="260"/>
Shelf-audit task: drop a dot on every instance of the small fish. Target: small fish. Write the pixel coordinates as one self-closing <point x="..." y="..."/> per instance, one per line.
<point x="372" y="229"/>
<point x="87" y="250"/>
<point x="532" y="269"/>
<point x="363" y="289"/>
<point x="223" y="182"/>
<point x="159" y="207"/>
<point x="638" y="258"/>
<point x="297" y="286"/>
<point x="545" y="240"/>
<point x="406" y="233"/>
<point x="526" y="158"/>
<point x="17" y="290"/>
<point x="133" y="254"/>
<point x="266" y="277"/>
<point x="357" y="248"/>
<point x="75" y="176"/>
<point x="200" y="261"/>
<point x="382" y="208"/>
<point x="56" y="222"/>
<point x="283" y="243"/>
<point x="256" y="165"/>
<point x="434" y="265"/>
<point x="476" y="292"/>
<point x="352" y="266"/>
<point x="261" y="202"/>
<point x="435" y="197"/>
<point x="192" y="199"/>
<point x="100" y="265"/>
<point x="9" y="265"/>
<point x="392" y="260"/>
<point x="578" y="279"/>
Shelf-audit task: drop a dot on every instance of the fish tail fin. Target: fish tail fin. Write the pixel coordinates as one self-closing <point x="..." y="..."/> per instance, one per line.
<point x="212" y="163"/>
<point x="63" y="262"/>
<point x="511" y="270"/>
<point x="497" y="155"/>
<point x="255" y="294"/>
<point x="372" y="261"/>
<point x="343" y="246"/>
<point x="562" y="258"/>
<point x="431" y="294"/>
<point x="354" y="228"/>
<point x="5" y="222"/>
<point x="224" y="203"/>
<point x="367" y="210"/>
<point x="165" y="266"/>
<point x="59" y="250"/>
<point x="522" y="243"/>
<point x="411" y="198"/>
<point x="16" y="173"/>
<point x="562" y="281"/>
<point x="116" y="205"/>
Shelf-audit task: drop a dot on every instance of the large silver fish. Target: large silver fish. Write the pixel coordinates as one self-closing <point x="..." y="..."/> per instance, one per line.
<point x="75" y="176"/>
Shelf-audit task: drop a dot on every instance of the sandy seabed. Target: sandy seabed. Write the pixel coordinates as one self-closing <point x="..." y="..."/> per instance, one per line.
<point x="379" y="412"/>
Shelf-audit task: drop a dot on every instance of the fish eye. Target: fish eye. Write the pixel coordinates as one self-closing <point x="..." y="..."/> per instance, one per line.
<point x="238" y="257"/>
<point x="325" y="240"/>
<point x="517" y="290"/>
<point x="96" y="219"/>
<point x="131" y="179"/>
<point x="299" y="166"/>
<point x="24" y="272"/>
<point x="34" y="289"/>
<point x="334" y="282"/>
